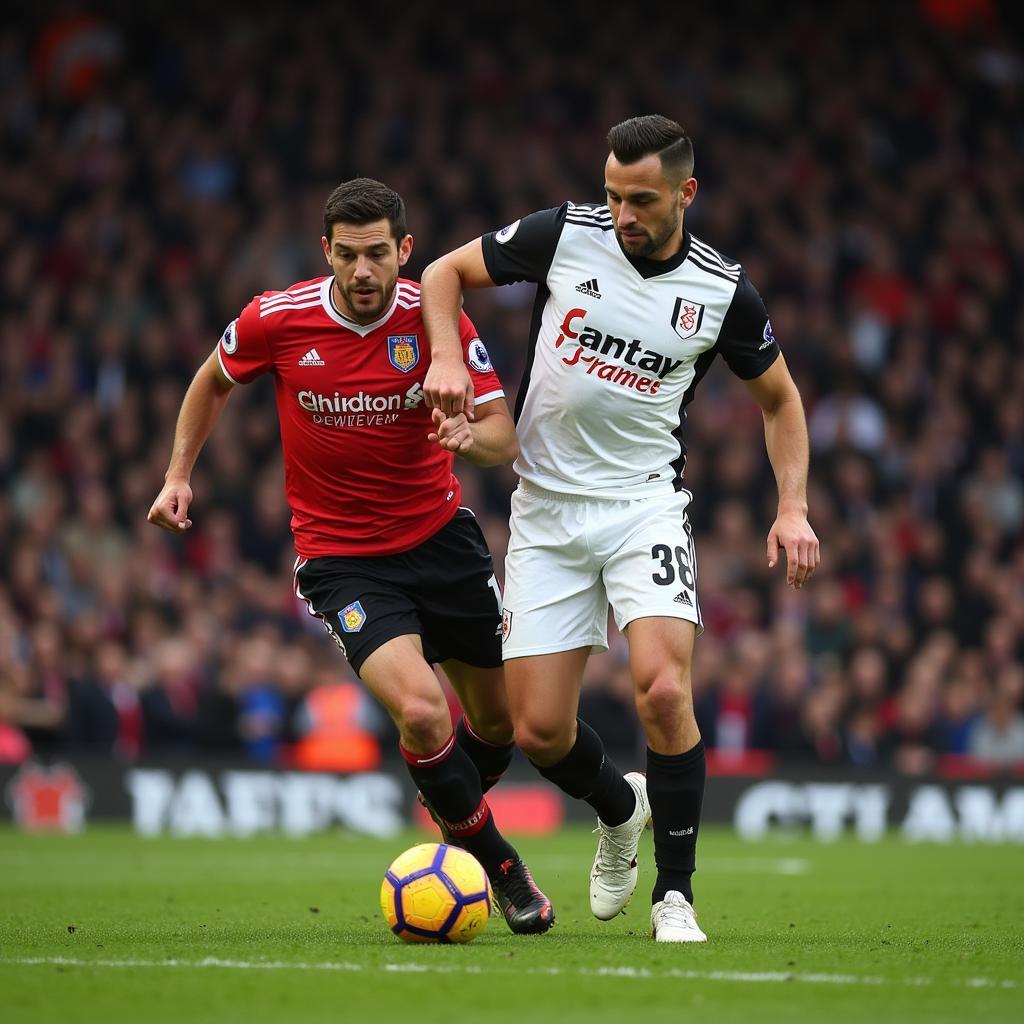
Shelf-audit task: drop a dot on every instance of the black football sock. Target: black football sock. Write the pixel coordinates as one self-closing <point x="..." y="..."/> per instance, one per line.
<point x="587" y="773"/>
<point x="491" y="759"/>
<point x="675" y="788"/>
<point x="450" y="783"/>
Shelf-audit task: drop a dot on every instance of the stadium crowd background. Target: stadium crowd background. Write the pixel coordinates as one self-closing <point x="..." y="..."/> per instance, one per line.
<point x="869" y="174"/>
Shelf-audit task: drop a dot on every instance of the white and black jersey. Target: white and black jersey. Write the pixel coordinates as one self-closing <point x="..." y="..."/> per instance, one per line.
<point x="617" y="348"/>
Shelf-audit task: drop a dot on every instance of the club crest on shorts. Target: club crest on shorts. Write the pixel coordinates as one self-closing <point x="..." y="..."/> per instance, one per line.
<point x="506" y="623"/>
<point x="687" y="317"/>
<point x="352" y="617"/>
<point x="403" y="351"/>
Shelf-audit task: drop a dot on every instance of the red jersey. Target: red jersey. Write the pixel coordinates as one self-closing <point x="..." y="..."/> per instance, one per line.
<point x="360" y="475"/>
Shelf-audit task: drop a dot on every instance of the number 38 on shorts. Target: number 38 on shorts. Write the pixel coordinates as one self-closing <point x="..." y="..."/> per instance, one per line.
<point x="568" y="560"/>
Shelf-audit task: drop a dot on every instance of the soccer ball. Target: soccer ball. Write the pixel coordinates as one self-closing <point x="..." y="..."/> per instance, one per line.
<point x="436" y="893"/>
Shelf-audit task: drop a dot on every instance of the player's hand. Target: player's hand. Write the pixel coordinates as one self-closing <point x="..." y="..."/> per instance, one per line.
<point x="170" y="510"/>
<point x="792" y="533"/>
<point x="452" y="433"/>
<point x="449" y="387"/>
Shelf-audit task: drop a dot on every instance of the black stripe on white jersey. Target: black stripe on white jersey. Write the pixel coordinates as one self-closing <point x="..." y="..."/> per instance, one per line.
<point x="586" y="216"/>
<point x="712" y="255"/>
<point x="536" y="319"/>
<point x="589" y="209"/>
<point x="590" y="224"/>
<point x="715" y="271"/>
<point x="700" y="367"/>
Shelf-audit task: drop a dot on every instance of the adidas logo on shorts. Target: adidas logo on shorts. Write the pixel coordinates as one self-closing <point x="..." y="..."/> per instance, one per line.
<point x="683" y="598"/>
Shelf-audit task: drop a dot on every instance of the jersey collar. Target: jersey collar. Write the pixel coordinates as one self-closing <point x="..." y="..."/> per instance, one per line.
<point x="654" y="268"/>
<point x="327" y="301"/>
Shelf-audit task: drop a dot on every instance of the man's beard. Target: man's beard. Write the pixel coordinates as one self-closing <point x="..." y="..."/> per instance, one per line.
<point x="359" y="310"/>
<point x="650" y="244"/>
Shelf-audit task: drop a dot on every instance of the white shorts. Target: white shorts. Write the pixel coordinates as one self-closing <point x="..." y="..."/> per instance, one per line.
<point x="570" y="557"/>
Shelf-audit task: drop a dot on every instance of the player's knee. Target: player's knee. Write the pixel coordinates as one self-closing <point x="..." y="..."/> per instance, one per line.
<point x="666" y="699"/>
<point x="423" y="722"/>
<point x="544" y="742"/>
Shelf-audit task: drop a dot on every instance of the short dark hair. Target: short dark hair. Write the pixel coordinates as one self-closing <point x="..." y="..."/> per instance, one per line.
<point x="638" y="137"/>
<point x="362" y="201"/>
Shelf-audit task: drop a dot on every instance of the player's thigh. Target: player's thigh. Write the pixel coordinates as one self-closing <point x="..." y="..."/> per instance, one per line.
<point x="554" y="599"/>
<point x="653" y="569"/>
<point x="398" y="675"/>
<point x="661" y="651"/>
<point x="544" y="691"/>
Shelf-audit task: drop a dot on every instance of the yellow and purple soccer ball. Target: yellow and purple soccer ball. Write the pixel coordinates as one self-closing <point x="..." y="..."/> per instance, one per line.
<point x="436" y="893"/>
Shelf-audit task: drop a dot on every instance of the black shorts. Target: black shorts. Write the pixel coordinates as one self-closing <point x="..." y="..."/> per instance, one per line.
<point x="444" y="590"/>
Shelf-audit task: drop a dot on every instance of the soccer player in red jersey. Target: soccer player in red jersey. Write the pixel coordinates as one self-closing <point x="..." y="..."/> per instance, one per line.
<point x="396" y="569"/>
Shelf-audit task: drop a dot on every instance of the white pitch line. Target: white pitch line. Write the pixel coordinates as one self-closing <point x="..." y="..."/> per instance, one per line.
<point x="636" y="973"/>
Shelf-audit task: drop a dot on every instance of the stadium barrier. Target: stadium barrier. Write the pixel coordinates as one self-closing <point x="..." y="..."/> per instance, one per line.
<point x="212" y="798"/>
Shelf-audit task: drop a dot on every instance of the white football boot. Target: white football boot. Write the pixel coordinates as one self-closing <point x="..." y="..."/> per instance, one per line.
<point x="613" y="876"/>
<point x="674" y="920"/>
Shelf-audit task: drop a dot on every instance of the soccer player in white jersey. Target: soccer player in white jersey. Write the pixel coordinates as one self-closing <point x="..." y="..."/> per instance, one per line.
<point x="631" y="309"/>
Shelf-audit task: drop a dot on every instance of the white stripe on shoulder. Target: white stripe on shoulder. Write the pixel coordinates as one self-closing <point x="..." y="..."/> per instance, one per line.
<point x="289" y="306"/>
<point x="287" y="300"/>
<point x="293" y="293"/>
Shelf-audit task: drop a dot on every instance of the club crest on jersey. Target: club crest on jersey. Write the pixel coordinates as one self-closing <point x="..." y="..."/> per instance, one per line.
<point x="403" y="351"/>
<point x="352" y="617"/>
<point x="687" y="317"/>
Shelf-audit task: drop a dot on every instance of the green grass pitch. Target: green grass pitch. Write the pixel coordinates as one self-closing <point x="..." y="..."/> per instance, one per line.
<point x="106" y="927"/>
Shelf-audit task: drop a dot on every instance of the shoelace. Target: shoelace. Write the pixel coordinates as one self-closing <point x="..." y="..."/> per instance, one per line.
<point x="611" y="850"/>
<point x="679" y="915"/>
<point x="517" y="884"/>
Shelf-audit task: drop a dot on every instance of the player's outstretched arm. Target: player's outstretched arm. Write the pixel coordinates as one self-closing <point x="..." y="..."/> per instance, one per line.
<point x="785" y="434"/>
<point x="200" y="409"/>
<point x="447" y="385"/>
<point x="489" y="441"/>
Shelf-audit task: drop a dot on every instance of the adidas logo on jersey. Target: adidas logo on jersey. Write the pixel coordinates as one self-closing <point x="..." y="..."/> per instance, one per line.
<point x="311" y="358"/>
<point x="590" y="288"/>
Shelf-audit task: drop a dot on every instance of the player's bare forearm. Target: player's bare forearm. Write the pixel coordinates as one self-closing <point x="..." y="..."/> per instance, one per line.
<point x="494" y="442"/>
<point x="200" y="409"/>
<point x="440" y="305"/>
<point x="447" y="385"/>
<point x="785" y="435"/>
<point x="490" y="441"/>
<point x="785" y="432"/>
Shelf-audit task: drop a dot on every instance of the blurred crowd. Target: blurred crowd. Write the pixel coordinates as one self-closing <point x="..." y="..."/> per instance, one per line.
<point x="870" y="177"/>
